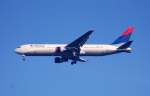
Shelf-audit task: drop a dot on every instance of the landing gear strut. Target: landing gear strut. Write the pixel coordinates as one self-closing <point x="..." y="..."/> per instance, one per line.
<point x="23" y="58"/>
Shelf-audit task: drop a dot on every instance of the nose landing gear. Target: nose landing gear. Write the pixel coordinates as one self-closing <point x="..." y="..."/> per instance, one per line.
<point x="23" y="58"/>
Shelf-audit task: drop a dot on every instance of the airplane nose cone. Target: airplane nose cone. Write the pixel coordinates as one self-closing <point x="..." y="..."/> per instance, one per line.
<point x="18" y="51"/>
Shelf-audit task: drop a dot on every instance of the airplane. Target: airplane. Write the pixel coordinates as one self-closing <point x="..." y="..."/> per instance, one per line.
<point x="74" y="50"/>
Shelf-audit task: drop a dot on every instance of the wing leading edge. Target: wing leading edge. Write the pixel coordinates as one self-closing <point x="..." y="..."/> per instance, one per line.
<point x="79" y="42"/>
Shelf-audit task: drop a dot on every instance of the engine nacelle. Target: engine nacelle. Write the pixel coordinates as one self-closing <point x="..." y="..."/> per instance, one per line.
<point x="60" y="60"/>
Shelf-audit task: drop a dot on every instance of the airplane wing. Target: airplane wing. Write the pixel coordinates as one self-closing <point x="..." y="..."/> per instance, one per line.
<point x="73" y="49"/>
<point x="79" y="42"/>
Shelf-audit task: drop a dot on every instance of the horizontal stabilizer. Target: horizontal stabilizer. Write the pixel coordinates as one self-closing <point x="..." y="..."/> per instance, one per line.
<point x="126" y="45"/>
<point x="82" y="60"/>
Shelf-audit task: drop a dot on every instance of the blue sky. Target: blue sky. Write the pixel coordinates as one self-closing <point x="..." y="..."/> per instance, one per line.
<point x="61" y="21"/>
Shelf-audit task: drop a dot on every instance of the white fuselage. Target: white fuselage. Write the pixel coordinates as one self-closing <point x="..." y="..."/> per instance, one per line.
<point x="51" y="49"/>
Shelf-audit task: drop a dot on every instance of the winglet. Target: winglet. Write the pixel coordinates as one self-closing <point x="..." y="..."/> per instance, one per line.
<point x="90" y="32"/>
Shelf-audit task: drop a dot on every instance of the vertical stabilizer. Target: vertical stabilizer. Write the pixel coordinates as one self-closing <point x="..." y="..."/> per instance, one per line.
<point x="125" y="36"/>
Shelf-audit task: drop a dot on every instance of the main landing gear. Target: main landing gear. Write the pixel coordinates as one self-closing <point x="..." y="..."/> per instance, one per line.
<point x="73" y="62"/>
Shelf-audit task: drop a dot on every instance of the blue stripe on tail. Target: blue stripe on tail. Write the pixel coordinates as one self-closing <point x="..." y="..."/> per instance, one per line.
<point x="125" y="36"/>
<point x="122" y="39"/>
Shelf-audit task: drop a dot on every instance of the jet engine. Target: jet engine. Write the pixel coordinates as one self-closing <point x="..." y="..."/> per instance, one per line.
<point x="60" y="60"/>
